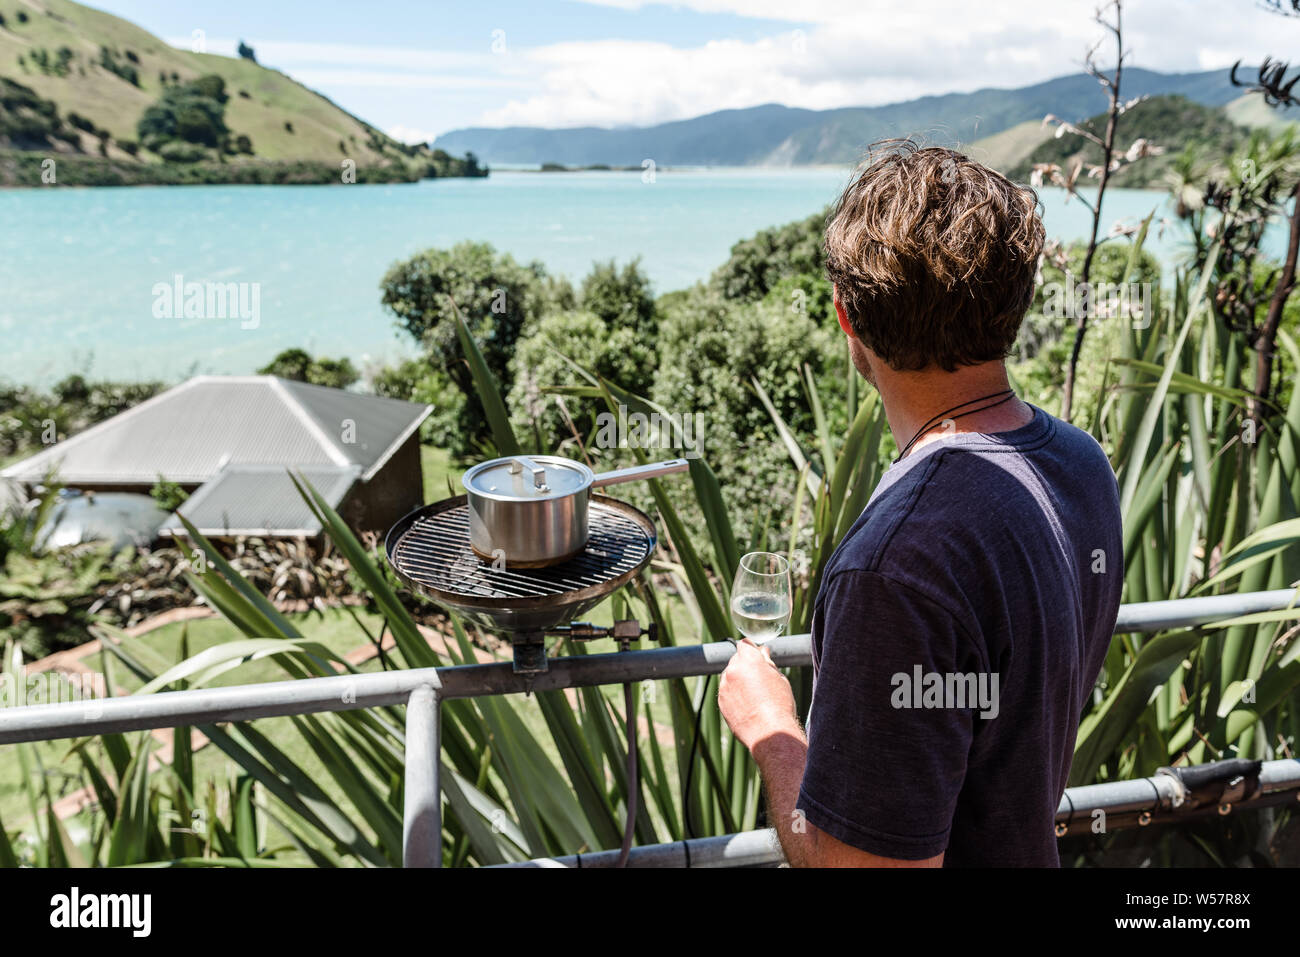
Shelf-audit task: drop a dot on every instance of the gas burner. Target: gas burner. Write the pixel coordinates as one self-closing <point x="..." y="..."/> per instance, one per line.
<point x="429" y="550"/>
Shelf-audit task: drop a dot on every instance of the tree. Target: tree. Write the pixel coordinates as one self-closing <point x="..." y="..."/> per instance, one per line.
<point x="298" y="365"/>
<point x="614" y="350"/>
<point x="419" y="380"/>
<point x="757" y="264"/>
<point x="710" y="350"/>
<point x="619" y="298"/>
<point x="495" y="294"/>
<point x="194" y="124"/>
<point x="335" y="373"/>
<point x="191" y="112"/>
<point x="290" y="364"/>
<point x="211" y="86"/>
<point x="246" y="51"/>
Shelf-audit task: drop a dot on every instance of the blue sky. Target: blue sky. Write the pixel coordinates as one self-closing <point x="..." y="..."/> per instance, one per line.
<point x="417" y="69"/>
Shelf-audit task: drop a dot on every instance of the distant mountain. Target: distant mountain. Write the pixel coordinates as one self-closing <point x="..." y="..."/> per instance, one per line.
<point x="775" y="135"/>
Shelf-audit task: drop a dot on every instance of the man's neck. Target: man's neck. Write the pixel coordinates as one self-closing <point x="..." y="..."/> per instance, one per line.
<point x="913" y="399"/>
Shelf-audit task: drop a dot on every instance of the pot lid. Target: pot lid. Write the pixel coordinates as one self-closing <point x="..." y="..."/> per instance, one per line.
<point x="527" y="478"/>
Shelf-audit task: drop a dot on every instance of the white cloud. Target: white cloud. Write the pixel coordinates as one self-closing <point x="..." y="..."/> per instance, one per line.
<point x="831" y="54"/>
<point x="408" y="134"/>
<point x="868" y="53"/>
<point x="322" y="78"/>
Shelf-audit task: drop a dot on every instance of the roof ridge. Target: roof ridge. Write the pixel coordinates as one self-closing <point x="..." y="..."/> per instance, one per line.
<point x="331" y="447"/>
<point x="80" y="437"/>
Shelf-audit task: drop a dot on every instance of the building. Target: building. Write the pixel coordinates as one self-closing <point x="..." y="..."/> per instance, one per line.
<point x="232" y="442"/>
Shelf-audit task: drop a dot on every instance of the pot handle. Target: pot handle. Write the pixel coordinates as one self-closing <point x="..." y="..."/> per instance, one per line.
<point x="520" y="463"/>
<point x="640" y="472"/>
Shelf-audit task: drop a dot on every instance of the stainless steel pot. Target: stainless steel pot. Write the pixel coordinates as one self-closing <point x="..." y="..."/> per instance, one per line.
<point x="532" y="510"/>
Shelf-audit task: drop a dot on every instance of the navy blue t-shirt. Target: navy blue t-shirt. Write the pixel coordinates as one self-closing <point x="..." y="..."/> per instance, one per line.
<point x="958" y="631"/>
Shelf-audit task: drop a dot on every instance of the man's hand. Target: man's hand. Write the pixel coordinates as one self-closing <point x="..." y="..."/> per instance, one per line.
<point x="755" y="698"/>
<point x="756" y="701"/>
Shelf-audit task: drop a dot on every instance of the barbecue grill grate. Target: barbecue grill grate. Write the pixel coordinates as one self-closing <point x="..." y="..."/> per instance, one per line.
<point x="430" y="551"/>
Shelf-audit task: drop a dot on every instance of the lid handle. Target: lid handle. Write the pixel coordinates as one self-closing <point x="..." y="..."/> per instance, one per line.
<point x="519" y="463"/>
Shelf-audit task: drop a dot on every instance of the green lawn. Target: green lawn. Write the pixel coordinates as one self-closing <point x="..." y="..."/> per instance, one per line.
<point x="441" y="474"/>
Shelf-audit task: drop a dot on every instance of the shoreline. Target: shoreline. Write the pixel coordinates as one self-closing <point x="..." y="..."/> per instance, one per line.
<point x="26" y="170"/>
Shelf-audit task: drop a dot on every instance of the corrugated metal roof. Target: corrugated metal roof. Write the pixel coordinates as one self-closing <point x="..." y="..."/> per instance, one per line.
<point x="188" y="434"/>
<point x="261" y="500"/>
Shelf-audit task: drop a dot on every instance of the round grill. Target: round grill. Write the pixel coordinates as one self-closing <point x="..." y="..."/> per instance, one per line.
<point x="429" y="550"/>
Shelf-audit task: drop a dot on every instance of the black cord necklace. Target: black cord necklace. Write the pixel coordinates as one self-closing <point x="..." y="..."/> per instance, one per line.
<point x="1006" y="396"/>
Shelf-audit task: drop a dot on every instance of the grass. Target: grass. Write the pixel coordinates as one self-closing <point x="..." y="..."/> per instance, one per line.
<point x="1010" y="147"/>
<point x="441" y="474"/>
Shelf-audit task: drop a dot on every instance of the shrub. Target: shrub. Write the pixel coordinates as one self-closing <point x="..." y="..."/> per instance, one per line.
<point x="757" y="264"/>
<point x="418" y="380"/>
<point x="620" y="298"/>
<point x="615" y="351"/>
<point x="109" y="61"/>
<point x="298" y="365"/>
<point x="709" y="349"/>
<point x="178" y="152"/>
<point x="192" y="113"/>
<point x="495" y="295"/>
<point x="168" y="495"/>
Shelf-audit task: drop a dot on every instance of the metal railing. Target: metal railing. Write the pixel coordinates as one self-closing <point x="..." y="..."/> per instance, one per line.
<point x="423" y="689"/>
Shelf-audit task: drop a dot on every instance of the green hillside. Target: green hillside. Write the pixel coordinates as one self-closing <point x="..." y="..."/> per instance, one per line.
<point x="1010" y="148"/>
<point x="107" y="72"/>
<point x="1250" y="110"/>
<point x="1171" y="122"/>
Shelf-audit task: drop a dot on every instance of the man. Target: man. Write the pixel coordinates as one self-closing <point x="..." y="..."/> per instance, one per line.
<point x="961" y="624"/>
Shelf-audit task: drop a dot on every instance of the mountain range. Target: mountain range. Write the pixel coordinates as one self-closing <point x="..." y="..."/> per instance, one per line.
<point x="774" y="135"/>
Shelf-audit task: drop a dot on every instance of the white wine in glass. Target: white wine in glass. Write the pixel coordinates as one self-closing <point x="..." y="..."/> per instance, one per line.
<point x="760" y="596"/>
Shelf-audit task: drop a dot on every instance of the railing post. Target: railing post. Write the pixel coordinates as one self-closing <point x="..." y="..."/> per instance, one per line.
<point x="422" y="811"/>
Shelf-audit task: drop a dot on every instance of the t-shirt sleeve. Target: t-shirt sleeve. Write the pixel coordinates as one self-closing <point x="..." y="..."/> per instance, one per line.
<point x="879" y="776"/>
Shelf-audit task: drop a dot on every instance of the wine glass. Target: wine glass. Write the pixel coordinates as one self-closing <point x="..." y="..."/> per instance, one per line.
<point x="760" y="596"/>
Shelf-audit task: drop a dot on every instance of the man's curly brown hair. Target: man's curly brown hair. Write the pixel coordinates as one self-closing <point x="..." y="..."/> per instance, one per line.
<point x="933" y="256"/>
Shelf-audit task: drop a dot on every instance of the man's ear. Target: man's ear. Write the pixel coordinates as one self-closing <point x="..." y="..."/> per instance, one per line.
<point x="842" y="316"/>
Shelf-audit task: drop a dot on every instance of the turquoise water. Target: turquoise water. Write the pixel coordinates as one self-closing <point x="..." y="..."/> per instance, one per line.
<point x="79" y="267"/>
